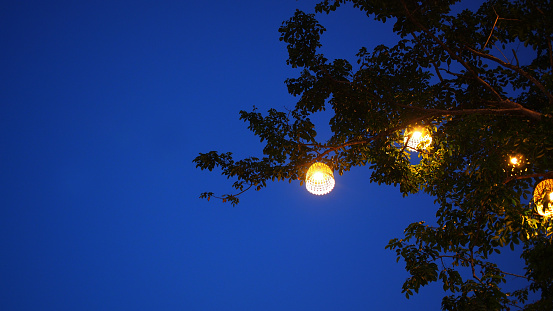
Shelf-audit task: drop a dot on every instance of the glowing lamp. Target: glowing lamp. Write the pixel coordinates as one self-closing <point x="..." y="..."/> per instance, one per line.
<point x="417" y="139"/>
<point x="319" y="179"/>
<point x="517" y="165"/>
<point x="543" y="198"/>
<point x="517" y="160"/>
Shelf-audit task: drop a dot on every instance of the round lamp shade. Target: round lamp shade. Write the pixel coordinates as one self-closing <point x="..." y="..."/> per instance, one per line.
<point x="543" y="198"/>
<point x="319" y="179"/>
<point x="417" y="139"/>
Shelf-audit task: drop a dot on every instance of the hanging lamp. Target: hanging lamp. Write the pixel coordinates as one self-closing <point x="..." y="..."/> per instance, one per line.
<point x="417" y="139"/>
<point x="319" y="179"/>
<point x="517" y="165"/>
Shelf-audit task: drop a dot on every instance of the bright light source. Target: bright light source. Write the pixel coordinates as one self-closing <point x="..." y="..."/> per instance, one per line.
<point x="417" y="139"/>
<point x="517" y="165"/>
<point x="319" y="179"/>
<point x="543" y="198"/>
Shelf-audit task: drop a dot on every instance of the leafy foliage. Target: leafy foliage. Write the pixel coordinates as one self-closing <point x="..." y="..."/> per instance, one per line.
<point x="482" y="83"/>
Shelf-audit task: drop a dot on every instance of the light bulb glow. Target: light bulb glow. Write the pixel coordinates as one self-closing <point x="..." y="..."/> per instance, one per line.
<point x="517" y="165"/>
<point x="416" y="139"/>
<point x="319" y="179"/>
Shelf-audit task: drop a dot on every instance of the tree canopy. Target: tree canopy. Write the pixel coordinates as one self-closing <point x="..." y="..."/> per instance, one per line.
<point x="481" y="84"/>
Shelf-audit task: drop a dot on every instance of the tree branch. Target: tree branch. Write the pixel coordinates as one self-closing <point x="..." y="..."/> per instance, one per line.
<point x="549" y="39"/>
<point x="471" y="261"/>
<point x="429" y="113"/>
<point x="328" y="75"/>
<point x="537" y="175"/>
<point x="494" y="23"/>
<point x="370" y="139"/>
<point x="516" y="57"/>
<point x="227" y="197"/>
<point x="428" y="55"/>
<point x="493" y="28"/>
<point x="550" y="53"/>
<point x="451" y="53"/>
<point x="483" y="111"/>
<point x="459" y="257"/>
<point x="516" y="275"/>
<point x="516" y="69"/>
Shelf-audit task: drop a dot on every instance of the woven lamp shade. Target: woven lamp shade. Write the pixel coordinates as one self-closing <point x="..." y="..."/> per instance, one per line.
<point x="543" y="198"/>
<point x="416" y="139"/>
<point x="319" y="179"/>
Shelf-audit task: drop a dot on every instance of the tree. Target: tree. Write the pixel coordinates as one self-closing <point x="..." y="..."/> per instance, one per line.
<point x="481" y="83"/>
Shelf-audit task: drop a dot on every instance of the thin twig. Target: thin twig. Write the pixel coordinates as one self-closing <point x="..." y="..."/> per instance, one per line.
<point x="373" y="138"/>
<point x="516" y="275"/>
<point x="506" y="59"/>
<point x="428" y="55"/>
<point x="516" y="69"/>
<point x="451" y="53"/>
<point x="550" y="53"/>
<point x="483" y="111"/>
<point x="491" y="32"/>
<point x="537" y="175"/>
<point x="471" y="261"/>
<point x="516" y="57"/>
<point x="496" y="19"/>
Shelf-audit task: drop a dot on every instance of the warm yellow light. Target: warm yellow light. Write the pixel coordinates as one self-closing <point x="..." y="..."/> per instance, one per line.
<point x="517" y="165"/>
<point x="318" y="176"/>
<point x="543" y="198"/>
<point x="417" y="139"/>
<point x="319" y="179"/>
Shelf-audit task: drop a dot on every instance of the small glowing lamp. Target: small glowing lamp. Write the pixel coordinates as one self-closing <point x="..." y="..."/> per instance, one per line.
<point x="517" y="160"/>
<point x="543" y="198"/>
<point x="417" y="139"/>
<point x="319" y="179"/>
<point x="517" y="164"/>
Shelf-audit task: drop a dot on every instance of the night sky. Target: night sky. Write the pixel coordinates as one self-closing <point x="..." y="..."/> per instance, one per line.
<point x="103" y="107"/>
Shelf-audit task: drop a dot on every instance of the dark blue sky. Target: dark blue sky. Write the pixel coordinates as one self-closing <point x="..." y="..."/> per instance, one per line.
<point x="103" y="106"/>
